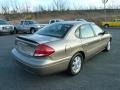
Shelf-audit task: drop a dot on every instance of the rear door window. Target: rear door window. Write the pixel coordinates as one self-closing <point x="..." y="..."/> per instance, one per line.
<point x="86" y="31"/>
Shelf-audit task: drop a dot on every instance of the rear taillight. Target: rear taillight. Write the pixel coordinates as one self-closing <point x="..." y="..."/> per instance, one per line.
<point x="43" y="50"/>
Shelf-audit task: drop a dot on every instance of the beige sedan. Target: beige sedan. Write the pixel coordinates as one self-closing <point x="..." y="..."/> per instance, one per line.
<point x="60" y="46"/>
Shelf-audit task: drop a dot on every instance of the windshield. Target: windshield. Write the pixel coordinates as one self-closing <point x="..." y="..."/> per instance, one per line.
<point x="52" y="21"/>
<point x="55" y="30"/>
<point x="3" y="22"/>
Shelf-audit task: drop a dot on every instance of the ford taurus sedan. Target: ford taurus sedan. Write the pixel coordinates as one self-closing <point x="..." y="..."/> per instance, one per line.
<point x="60" y="46"/>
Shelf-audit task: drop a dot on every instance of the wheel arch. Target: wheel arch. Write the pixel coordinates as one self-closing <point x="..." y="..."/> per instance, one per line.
<point x="107" y="25"/>
<point x="69" y="66"/>
<point x="82" y="53"/>
<point x="110" y="39"/>
<point x="32" y="28"/>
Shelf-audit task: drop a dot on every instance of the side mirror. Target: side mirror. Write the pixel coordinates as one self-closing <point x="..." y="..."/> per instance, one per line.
<point x="102" y="33"/>
<point x="105" y="32"/>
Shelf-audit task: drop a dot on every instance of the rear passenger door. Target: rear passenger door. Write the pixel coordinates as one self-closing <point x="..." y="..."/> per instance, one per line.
<point x="90" y="42"/>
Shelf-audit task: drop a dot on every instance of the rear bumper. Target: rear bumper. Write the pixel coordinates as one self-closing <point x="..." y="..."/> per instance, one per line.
<point x="39" y="66"/>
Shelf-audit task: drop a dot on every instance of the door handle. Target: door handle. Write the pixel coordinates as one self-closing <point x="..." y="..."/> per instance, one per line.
<point x="100" y="39"/>
<point x="86" y="44"/>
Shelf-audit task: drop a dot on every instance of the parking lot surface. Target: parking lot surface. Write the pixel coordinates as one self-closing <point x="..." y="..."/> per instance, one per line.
<point x="101" y="72"/>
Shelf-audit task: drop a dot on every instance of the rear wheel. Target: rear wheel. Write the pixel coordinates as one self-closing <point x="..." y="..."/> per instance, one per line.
<point x="106" y="26"/>
<point x="75" y="64"/>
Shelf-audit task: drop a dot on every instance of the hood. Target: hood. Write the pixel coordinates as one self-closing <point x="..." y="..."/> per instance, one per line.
<point x="6" y="25"/>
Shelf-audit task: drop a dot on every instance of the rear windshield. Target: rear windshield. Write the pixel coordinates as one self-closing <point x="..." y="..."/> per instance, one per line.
<point x="55" y="30"/>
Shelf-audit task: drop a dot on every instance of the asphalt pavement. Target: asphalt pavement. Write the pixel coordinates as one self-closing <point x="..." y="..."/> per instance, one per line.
<point x="102" y="72"/>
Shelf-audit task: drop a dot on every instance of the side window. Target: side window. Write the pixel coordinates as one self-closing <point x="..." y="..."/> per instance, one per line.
<point x="29" y="22"/>
<point x="52" y="21"/>
<point x="97" y="29"/>
<point x="77" y="32"/>
<point x="22" y="22"/>
<point x="57" y="21"/>
<point x="86" y="31"/>
<point x="26" y="23"/>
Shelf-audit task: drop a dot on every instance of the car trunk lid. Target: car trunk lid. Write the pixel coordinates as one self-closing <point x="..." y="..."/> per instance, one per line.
<point x="28" y="44"/>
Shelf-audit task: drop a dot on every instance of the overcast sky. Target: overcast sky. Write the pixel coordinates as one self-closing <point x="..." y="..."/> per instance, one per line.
<point x="84" y="4"/>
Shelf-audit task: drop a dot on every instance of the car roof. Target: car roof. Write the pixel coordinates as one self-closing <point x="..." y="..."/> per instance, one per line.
<point x="75" y="22"/>
<point x="27" y="20"/>
<point x="79" y="19"/>
<point x="117" y="19"/>
<point x="58" y="19"/>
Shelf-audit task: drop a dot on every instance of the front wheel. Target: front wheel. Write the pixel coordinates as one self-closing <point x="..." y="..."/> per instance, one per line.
<point x="108" y="47"/>
<point x="75" y="64"/>
<point x="12" y="32"/>
<point x="15" y="31"/>
<point x="32" y="31"/>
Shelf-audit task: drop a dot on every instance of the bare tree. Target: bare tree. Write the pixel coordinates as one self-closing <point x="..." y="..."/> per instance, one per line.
<point x="60" y="4"/>
<point x="40" y="8"/>
<point x="5" y="8"/>
<point x="27" y="7"/>
<point x="105" y="2"/>
<point x="14" y="6"/>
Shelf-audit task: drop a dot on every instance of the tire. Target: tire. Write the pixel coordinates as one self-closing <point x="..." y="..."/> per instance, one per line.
<point x="15" y="30"/>
<point x="108" y="47"/>
<point x="106" y="26"/>
<point x="32" y="30"/>
<point x="12" y="32"/>
<point x="75" y="64"/>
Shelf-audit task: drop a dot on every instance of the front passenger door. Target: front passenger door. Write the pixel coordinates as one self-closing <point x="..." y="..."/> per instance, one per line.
<point x="20" y="26"/>
<point x="90" y="42"/>
<point x="104" y="37"/>
<point x="26" y="25"/>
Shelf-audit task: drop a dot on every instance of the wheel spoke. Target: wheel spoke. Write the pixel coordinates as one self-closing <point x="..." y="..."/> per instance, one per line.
<point x="108" y="46"/>
<point x="76" y="64"/>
